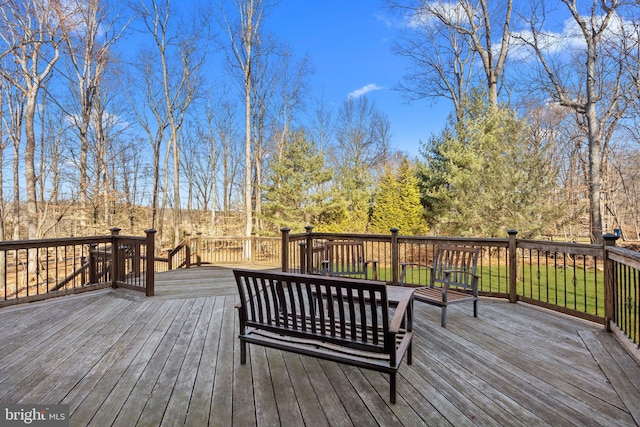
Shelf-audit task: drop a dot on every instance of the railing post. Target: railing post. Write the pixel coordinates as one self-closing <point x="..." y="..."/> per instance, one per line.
<point x="610" y="288"/>
<point x="151" y="265"/>
<point x="187" y="250"/>
<point x="115" y="256"/>
<point x="309" y="247"/>
<point x="285" y="249"/>
<point x="513" y="266"/>
<point x="252" y="242"/>
<point x="395" y="257"/>
<point x="169" y="260"/>
<point x="93" y="263"/>
<point x="199" y="248"/>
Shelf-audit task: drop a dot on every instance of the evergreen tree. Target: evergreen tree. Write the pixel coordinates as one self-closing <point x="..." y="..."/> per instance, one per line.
<point x="484" y="176"/>
<point x="397" y="202"/>
<point x="295" y="193"/>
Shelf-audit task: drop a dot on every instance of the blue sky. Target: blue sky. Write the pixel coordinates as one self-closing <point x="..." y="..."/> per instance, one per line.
<point x="350" y="44"/>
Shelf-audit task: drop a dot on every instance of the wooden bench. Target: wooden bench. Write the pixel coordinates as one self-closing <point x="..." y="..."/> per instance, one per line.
<point x="339" y="319"/>
<point x="452" y="278"/>
<point x="347" y="259"/>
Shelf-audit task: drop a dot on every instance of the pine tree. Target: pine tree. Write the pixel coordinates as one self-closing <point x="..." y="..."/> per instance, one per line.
<point x="482" y="176"/>
<point x="397" y="203"/>
<point x="295" y="193"/>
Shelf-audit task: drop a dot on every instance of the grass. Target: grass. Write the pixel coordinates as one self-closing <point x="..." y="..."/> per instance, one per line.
<point x="577" y="289"/>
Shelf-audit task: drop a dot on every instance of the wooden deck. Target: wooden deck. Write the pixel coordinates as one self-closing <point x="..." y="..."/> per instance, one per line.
<point x="119" y="358"/>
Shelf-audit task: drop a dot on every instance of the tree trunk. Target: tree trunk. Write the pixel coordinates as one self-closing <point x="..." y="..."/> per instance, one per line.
<point x="247" y="167"/>
<point x="29" y="167"/>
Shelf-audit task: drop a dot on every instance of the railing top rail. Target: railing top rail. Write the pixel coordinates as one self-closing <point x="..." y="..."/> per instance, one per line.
<point x="131" y="239"/>
<point x="341" y="236"/>
<point x="27" y="244"/>
<point x="624" y="256"/>
<point x="566" y="247"/>
<point x="472" y="241"/>
<point x="628" y="253"/>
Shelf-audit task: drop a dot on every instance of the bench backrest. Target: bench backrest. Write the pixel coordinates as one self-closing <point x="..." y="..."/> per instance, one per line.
<point x="347" y="312"/>
<point x="345" y="258"/>
<point x="455" y="259"/>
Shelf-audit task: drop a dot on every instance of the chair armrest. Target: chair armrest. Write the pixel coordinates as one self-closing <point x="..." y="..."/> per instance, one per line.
<point x="463" y="272"/>
<point x="474" y="278"/>
<point x="403" y="306"/>
<point x="403" y="270"/>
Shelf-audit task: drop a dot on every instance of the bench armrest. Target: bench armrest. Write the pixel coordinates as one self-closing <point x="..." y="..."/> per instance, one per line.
<point x="402" y="309"/>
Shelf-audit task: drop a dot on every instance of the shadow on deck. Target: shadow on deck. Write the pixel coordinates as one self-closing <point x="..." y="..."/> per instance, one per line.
<point x="118" y="358"/>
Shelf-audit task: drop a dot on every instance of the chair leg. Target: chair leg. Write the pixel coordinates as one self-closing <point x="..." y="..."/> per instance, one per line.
<point x="475" y="308"/>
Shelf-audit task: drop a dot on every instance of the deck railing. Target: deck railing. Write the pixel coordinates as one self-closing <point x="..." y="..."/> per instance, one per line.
<point x="201" y="249"/>
<point x="32" y="270"/>
<point x="600" y="283"/>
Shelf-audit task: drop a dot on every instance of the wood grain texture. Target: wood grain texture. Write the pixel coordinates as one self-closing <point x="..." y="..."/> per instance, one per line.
<point x="120" y="359"/>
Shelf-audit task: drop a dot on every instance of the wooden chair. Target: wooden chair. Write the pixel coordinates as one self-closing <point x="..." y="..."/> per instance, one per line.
<point x="452" y="278"/>
<point x="347" y="259"/>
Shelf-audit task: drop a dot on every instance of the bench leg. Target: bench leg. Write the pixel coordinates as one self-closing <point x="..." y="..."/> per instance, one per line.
<point x="392" y="391"/>
<point x="475" y="308"/>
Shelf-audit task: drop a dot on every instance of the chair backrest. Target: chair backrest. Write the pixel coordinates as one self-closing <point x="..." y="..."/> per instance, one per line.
<point x="348" y="312"/>
<point x="455" y="259"/>
<point x="345" y="258"/>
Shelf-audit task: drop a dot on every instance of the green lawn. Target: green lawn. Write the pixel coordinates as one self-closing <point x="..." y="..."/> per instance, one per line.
<point x="577" y="289"/>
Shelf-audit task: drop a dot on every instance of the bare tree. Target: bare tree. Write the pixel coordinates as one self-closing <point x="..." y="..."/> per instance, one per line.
<point x="3" y="146"/>
<point x="230" y="154"/>
<point x="278" y="88"/>
<point x="357" y="143"/>
<point x="448" y="37"/>
<point x="592" y="82"/>
<point x="179" y="83"/>
<point x="145" y="101"/>
<point x="12" y="121"/>
<point x="355" y="156"/>
<point x="88" y="44"/>
<point x="244" y="36"/>
<point x="30" y="33"/>
<point x="129" y="163"/>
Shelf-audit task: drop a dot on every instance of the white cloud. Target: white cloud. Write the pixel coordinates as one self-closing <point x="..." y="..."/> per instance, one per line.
<point x="364" y="90"/>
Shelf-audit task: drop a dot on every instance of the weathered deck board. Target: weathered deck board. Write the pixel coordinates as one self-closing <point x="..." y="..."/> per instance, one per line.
<point x="119" y="358"/>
